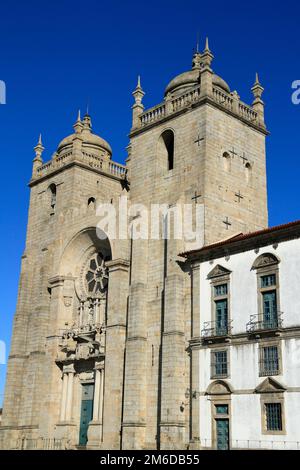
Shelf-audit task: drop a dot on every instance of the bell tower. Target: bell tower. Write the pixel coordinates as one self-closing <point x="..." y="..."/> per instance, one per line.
<point x="203" y="146"/>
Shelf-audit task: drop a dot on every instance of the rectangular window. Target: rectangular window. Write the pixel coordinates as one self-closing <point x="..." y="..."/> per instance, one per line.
<point x="221" y="290"/>
<point x="221" y="317"/>
<point x="222" y="409"/>
<point x="273" y="416"/>
<point x="270" y="318"/>
<point x="219" y="364"/>
<point x="269" y="364"/>
<point x="267" y="281"/>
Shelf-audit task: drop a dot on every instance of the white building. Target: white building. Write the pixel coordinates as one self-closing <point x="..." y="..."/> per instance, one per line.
<point x="245" y="347"/>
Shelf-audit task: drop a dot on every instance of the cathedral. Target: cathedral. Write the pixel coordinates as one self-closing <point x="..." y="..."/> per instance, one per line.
<point x="124" y="342"/>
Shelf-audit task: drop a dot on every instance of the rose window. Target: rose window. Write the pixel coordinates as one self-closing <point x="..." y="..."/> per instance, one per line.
<point x="97" y="275"/>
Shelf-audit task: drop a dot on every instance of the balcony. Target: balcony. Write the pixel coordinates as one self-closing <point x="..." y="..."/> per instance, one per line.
<point x="261" y="323"/>
<point x="214" y="331"/>
<point x="78" y="330"/>
<point x="42" y="444"/>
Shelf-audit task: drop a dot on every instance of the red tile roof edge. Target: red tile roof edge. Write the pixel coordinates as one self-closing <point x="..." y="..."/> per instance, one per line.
<point x="242" y="237"/>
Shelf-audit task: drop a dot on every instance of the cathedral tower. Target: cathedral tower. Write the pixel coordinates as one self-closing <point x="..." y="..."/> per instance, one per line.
<point x="201" y="145"/>
<point x="63" y="327"/>
<point x="100" y="352"/>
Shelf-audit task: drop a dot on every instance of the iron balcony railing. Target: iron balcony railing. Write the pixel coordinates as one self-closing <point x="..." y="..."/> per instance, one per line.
<point x="247" y="444"/>
<point x="213" y="329"/>
<point x="265" y="322"/>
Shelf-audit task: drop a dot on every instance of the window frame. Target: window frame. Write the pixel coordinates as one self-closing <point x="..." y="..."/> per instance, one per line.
<point x="272" y="398"/>
<point x="52" y="195"/>
<point x="166" y="148"/>
<point x="266" y="344"/>
<point x="215" y="282"/>
<point x="213" y="374"/>
<point x="277" y="407"/>
<point x="217" y="401"/>
<point x="269" y="268"/>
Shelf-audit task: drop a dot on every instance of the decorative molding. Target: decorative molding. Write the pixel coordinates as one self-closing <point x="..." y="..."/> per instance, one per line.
<point x="59" y="280"/>
<point x="219" y="387"/>
<point x="118" y="264"/>
<point x="218" y="271"/>
<point x="270" y="385"/>
<point x="266" y="259"/>
<point x="68" y="300"/>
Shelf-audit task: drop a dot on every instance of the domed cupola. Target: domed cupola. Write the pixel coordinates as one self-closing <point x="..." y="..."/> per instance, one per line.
<point x="91" y="143"/>
<point x="187" y="80"/>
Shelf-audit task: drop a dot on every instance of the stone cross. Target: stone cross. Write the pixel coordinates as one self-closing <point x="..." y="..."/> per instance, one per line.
<point x="198" y="140"/>
<point x="239" y="196"/>
<point x="244" y="158"/>
<point x="227" y="223"/>
<point x="195" y="197"/>
<point x="233" y="152"/>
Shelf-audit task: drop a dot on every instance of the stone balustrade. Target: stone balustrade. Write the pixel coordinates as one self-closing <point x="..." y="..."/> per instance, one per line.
<point x="153" y="114"/>
<point x="247" y="112"/>
<point x="94" y="161"/>
<point x="222" y="98"/>
<point x="229" y="101"/>
<point x="185" y="99"/>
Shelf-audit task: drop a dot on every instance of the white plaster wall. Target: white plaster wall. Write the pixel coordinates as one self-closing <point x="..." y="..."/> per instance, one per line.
<point x="243" y="285"/>
<point x="205" y="421"/>
<point x="244" y="358"/>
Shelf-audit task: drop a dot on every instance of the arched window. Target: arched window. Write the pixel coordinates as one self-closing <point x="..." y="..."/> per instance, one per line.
<point x="166" y="148"/>
<point x="52" y="190"/>
<point x="227" y="162"/>
<point x="248" y="170"/>
<point x="269" y="316"/>
<point x="91" y="202"/>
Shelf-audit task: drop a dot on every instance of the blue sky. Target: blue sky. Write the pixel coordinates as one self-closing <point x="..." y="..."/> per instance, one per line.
<point x="56" y="57"/>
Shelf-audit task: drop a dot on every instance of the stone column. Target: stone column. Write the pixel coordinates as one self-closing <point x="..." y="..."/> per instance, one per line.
<point x="135" y="381"/>
<point x="194" y="346"/>
<point x="66" y="428"/>
<point x="174" y="380"/>
<point x="135" y="392"/>
<point x="114" y="352"/>
<point x="69" y="402"/>
<point x="95" y="431"/>
<point x="101" y="396"/>
<point x="97" y="394"/>
<point x="81" y="311"/>
<point x="64" y="397"/>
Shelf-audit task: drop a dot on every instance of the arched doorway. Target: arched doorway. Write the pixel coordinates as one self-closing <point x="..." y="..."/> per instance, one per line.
<point x="81" y="355"/>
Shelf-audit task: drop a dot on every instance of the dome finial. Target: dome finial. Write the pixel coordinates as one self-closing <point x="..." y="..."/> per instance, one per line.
<point x="87" y="122"/>
<point x="207" y="55"/>
<point x="196" y="62"/>
<point x="39" y="149"/>
<point x="206" y="49"/>
<point x="257" y="88"/>
<point x="197" y="43"/>
<point x="138" y="92"/>
<point x="78" y="124"/>
<point x="257" y="82"/>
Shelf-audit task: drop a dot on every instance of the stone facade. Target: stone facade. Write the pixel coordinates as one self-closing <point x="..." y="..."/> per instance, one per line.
<point x="100" y="351"/>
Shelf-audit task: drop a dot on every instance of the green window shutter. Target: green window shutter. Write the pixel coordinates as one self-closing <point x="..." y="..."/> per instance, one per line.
<point x="270" y="317"/>
<point x="221" y="316"/>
